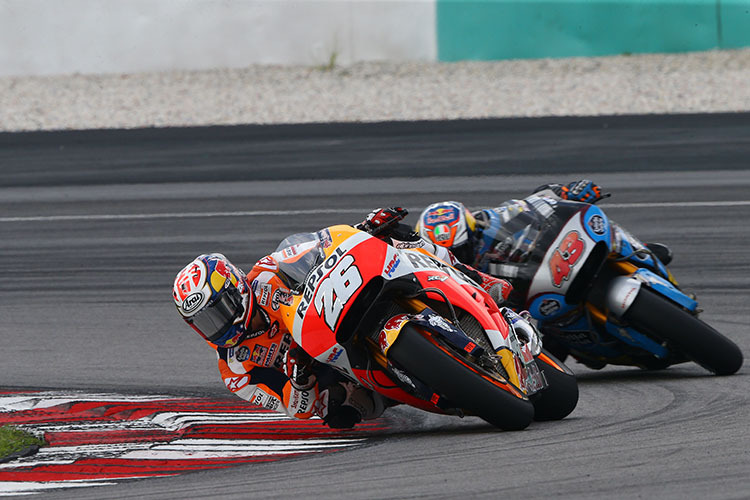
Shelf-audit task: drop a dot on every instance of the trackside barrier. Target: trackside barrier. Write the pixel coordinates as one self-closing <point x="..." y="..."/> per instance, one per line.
<point x="47" y="37"/>
<point x="510" y="29"/>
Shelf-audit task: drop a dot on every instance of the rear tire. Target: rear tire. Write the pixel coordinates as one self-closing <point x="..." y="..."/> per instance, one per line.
<point x="690" y="336"/>
<point x="462" y="386"/>
<point x="560" y="398"/>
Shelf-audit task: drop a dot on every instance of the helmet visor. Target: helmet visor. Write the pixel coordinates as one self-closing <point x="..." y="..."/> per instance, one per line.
<point x="215" y="320"/>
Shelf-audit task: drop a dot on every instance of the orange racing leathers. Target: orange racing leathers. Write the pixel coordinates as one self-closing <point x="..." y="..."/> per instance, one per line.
<point x="255" y="369"/>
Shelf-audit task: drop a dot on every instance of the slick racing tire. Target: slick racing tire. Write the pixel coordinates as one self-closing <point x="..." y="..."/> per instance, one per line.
<point x="683" y="332"/>
<point x="460" y="382"/>
<point x="560" y="397"/>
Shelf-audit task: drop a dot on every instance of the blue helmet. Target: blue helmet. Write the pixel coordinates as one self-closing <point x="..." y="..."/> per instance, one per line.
<point x="213" y="297"/>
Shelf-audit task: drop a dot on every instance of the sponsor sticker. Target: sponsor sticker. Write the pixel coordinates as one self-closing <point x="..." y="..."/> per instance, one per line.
<point x="409" y="244"/>
<point x="242" y="354"/>
<point x="439" y="322"/>
<point x="335" y="354"/>
<point x="192" y="302"/>
<point x="281" y="297"/>
<point x="549" y="307"/>
<point x="392" y="265"/>
<point x="265" y="294"/>
<point x="440" y="215"/>
<point x="286" y="343"/>
<point x="272" y="404"/>
<point x="390" y="329"/>
<point x="596" y="224"/>
<point x="271" y="353"/>
<point x="259" y="354"/>
<point x="289" y="252"/>
<point x="273" y="330"/>
<point x="234" y="384"/>
<point x="325" y="238"/>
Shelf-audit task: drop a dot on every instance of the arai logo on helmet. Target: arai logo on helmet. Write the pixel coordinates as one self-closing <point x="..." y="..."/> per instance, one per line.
<point x="192" y="302"/>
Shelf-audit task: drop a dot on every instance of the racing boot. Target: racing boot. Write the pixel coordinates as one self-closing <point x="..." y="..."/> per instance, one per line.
<point x="348" y="404"/>
<point x="661" y="252"/>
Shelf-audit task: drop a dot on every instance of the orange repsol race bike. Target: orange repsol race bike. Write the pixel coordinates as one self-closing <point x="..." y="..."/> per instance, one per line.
<point x="412" y="328"/>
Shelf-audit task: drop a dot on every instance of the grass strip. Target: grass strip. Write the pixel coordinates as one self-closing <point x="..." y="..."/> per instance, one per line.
<point x="13" y="440"/>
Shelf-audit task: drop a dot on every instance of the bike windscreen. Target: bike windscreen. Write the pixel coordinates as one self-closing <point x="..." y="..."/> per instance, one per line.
<point x="297" y="255"/>
<point x="518" y="233"/>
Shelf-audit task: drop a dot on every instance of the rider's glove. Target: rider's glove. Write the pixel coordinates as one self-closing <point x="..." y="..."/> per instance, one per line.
<point x="298" y="367"/>
<point x="382" y="218"/>
<point x="583" y="190"/>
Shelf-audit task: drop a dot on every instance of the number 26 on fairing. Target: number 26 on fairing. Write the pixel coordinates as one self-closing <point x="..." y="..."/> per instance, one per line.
<point x="335" y="291"/>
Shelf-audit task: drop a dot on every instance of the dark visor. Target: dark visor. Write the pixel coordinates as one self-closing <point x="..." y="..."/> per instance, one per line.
<point x="216" y="319"/>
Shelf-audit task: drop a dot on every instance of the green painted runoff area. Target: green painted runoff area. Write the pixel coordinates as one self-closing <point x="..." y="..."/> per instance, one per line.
<point x="516" y="29"/>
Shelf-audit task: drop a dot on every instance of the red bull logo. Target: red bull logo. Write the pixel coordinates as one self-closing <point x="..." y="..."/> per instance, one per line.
<point x="441" y="215"/>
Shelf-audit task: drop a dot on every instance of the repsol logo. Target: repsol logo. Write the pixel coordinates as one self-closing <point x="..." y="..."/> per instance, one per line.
<point x="315" y="277"/>
<point x="301" y="401"/>
<point x="421" y="261"/>
<point x="192" y="301"/>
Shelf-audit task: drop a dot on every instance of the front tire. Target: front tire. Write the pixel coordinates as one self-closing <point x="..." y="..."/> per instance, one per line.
<point x="560" y="398"/>
<point x="690" y="336"/>
<point x="458" y="382"/>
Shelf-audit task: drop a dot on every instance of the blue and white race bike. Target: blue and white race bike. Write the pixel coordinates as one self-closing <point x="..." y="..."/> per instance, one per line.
<point x="597" y="293"/>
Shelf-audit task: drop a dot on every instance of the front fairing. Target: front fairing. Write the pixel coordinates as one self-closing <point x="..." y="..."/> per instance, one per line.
<point x="534" y="229"/>
<point x="344" y="267"/>
<point x="326" y="280"/>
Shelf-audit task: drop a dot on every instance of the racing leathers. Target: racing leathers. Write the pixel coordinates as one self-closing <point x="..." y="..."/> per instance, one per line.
<point x="269" y="369"/>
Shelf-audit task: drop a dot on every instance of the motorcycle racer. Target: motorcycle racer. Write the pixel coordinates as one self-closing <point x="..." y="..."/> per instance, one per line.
<point x="472" y="236"/>
<point x="237" y="315"/>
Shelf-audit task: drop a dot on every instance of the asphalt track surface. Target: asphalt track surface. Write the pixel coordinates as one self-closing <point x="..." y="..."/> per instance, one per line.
<point x="94" y="226"/>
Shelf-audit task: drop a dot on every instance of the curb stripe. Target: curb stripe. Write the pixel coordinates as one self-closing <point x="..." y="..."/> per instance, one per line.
<point x="95" y="439"/>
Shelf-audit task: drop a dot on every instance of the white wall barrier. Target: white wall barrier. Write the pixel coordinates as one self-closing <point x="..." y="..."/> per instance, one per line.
<point x="45" y="37"/>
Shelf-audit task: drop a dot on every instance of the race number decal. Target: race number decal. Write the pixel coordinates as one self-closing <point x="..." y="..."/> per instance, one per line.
<point x="565" y="257"/>
<point x="335" y="291"/>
